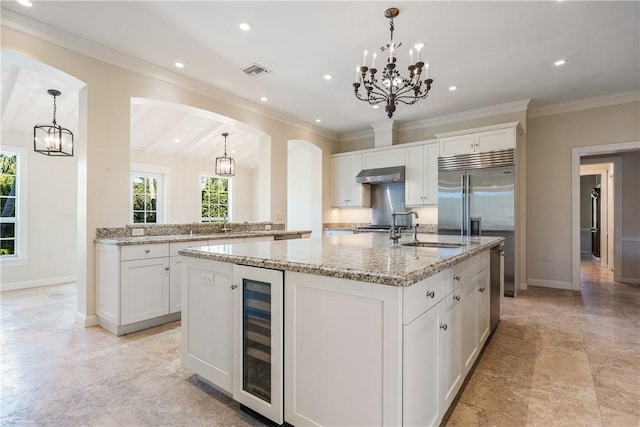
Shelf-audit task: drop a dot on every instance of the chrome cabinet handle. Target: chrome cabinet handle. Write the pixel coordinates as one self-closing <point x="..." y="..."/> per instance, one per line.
<point x="457" y="277"/>
<point x="431" y="294"/>
<point x="443" y="326"/>
<point x="146" y="251"/>
<point x="234" y="286"/>
<point x="481" y="290"/>
<point x="166" y="268"/>
<point x="456" y="297"/>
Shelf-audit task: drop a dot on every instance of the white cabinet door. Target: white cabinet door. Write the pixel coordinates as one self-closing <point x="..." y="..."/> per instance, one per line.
<point x="421" y="175"/>
<point x="258" y="322"/>
<point x="450" y="374"/>
<point x="346" y="192"/>
<point x="175" y="287"/>
<point x="459" y="144"/>
<point x="207" y="320"/>
<point x="144" y="289"/>
<point x="499" y="139"/>
<point x="469" y="323"/>
<point x="420" y="370"/>
<point x="483" y="289"/>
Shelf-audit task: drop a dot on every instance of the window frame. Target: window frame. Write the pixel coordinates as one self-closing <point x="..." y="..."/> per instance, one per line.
<point x="20" y="220"/>
<point x="229" y="196"/>
<point x="160" y="173"/>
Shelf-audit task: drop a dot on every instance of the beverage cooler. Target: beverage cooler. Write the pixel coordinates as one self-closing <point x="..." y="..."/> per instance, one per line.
<point x="258" y="329"/>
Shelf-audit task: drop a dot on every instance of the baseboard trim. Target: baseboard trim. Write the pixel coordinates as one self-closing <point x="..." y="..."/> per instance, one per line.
<point x="37" y="283"/>
<point x="86" y="321"/>
<point x="550" y="284"/>
<point x="630" y="280"/>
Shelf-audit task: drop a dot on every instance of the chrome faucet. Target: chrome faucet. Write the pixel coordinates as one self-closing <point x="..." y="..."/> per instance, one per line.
<point x="395" y="233"/>
<point x="224" y="224"/>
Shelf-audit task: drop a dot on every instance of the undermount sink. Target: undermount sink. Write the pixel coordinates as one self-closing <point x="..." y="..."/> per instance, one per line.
<point x="433" y="244"/>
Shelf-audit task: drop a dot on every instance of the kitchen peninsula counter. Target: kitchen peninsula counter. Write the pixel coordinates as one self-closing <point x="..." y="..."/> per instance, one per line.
<point x="365" y="257"/>
<point x="339" y="330"/>
<point x="174" y="238"/>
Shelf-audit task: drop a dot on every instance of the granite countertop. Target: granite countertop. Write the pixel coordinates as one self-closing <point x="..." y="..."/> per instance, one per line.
<point x="366" y="257"/>
<point x="142" y="240"/>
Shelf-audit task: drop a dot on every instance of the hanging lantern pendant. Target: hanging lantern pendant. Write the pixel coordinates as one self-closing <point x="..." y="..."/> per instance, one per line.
<point x="225" y="165"/>
<point x="53" y="140"/>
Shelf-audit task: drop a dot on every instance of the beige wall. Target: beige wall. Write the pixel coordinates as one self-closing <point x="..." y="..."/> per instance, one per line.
<point x="550" y="140"/>
<point x="103" y="151"/>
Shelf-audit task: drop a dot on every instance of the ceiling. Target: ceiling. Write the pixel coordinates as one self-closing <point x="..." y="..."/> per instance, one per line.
<point x="495" y="52"/>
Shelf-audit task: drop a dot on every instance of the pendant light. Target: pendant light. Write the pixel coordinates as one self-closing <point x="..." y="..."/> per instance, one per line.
<point x="225" y="165"/>
<point x="53" y="140"/>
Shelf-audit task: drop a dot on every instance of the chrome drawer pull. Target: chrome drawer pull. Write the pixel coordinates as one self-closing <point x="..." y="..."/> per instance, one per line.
<point x="481" y="290"/>
<point x="457" y="277"/>
<point x="431" y="294"/>
<point x="456" y="297"/>
<point x="234" y="286"/>
<point x="443" y="326"/>
<point x="146" y="251"/>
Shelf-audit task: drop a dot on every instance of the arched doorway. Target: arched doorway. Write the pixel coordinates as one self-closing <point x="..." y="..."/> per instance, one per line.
<point x="304" y="187"/>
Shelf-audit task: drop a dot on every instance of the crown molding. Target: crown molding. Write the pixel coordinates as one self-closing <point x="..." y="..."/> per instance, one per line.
<point x="354" y="136"/>
<point x="479" y="113"/>
<point x="585" y="104"/>
<point x="33" y="28"/>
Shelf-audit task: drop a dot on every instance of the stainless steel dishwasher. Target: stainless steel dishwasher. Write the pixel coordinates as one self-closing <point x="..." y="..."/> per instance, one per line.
<point x="496" y="271"/>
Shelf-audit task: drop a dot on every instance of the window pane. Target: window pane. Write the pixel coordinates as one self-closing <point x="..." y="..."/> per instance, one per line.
<point x="8" y="164"/>
<point x="138" y="202"/>
<point x="7" y="185"/>
<point x="151" y="217"/>
<point x="7" y="247"/>
<point x="8" y="207"/>
<point x="7" y="230"/>
<point x="138" y="217"/>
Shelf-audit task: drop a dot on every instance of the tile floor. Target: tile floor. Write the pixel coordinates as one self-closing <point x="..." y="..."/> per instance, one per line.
<point x="558" y="358"/>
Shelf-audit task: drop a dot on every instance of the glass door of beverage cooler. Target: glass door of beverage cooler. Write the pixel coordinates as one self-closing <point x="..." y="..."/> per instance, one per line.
<point x="258" y="346"/>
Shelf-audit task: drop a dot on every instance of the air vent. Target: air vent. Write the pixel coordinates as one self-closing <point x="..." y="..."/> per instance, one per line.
<point x="256" y="70"/>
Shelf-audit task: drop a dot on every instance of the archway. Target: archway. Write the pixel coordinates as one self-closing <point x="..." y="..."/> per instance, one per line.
<point x="304" y="187"/>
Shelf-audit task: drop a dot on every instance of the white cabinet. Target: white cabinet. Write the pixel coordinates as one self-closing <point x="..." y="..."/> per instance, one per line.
<point x="132" y="287"/>
<point x="420" y="368"/>
<point x="343" y="352"/>
<point x="421" y="175"/>
<point x="144" y="289"/>
<point x="469" y="324"/>
<point x="175" y="272"/>
<point x="346" y="192"/>
<point x="484" y="312"/>
<point x="449" y="355"/>
<point x="489" y="140"/>
<point x="207" y="324"/>
<point x="383" y="158"/>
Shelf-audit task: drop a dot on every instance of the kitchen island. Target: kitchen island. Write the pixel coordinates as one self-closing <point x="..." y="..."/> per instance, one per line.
<point x="342" y="330"/>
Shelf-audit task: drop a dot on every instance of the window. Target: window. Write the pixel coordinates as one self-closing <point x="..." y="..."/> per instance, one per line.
<point x="12" y="205"/>
<point x="215" y="198"/>
<point x="146" y="193"/>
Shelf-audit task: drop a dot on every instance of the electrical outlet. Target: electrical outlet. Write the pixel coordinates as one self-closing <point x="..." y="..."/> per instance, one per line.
<point x="137" y="231"/>
<point x="546" y="257"/>
<point x="267" y="227"/>
<point x="207" y="280"/>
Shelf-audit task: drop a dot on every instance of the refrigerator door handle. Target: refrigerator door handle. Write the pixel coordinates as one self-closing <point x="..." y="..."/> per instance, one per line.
<point x="462" y="205"/>
<point x="467" y="208"/>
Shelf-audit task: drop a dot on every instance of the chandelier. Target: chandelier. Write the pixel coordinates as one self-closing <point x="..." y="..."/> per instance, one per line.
<point x="225" y="165"/>
<point x="392" y="88"/>
<point x="53" y="140"/>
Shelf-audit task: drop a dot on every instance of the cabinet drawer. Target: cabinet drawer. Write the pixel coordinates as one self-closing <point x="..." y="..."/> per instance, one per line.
<point x="423" y="295"/>
<point x="462" y="272"/>
<point x="174" y="247"/>
<point x="144" y="251"/>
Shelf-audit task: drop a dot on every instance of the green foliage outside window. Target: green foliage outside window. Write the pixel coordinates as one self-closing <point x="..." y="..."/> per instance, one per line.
<point x="215" y="199"/>
<point x="145" y="197"/>
<point x="8" y="180"/>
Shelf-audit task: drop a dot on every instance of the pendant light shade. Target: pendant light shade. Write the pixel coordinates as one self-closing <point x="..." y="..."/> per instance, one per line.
<point x="53" y="140"/>
<point x="225" y="165"/>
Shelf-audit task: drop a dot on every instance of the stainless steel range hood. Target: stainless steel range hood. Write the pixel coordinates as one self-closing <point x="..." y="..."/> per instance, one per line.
<point x="381" y="175"/>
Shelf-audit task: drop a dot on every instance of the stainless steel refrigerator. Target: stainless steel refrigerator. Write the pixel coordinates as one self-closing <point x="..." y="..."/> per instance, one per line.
<point x="476" y="197"/>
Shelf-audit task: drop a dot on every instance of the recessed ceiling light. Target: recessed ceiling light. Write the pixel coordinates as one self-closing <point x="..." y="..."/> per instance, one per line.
<point x="453" y="88"/>
<point x="318" y="120"/>
<point x="560" y="62"/>
<point x="376" y="106"/>
<point x="176" y="140"/>
<point x="244" y="26"/>
<point x="264" y="99"/>
<point x="25" y="3"/>
<point x="233" y="151"/>
<point x="178" y="64"/>
<point x="328" y="76"/>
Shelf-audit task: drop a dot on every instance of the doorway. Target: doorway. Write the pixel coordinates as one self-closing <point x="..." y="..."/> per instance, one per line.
<point x="304" y="187"/>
